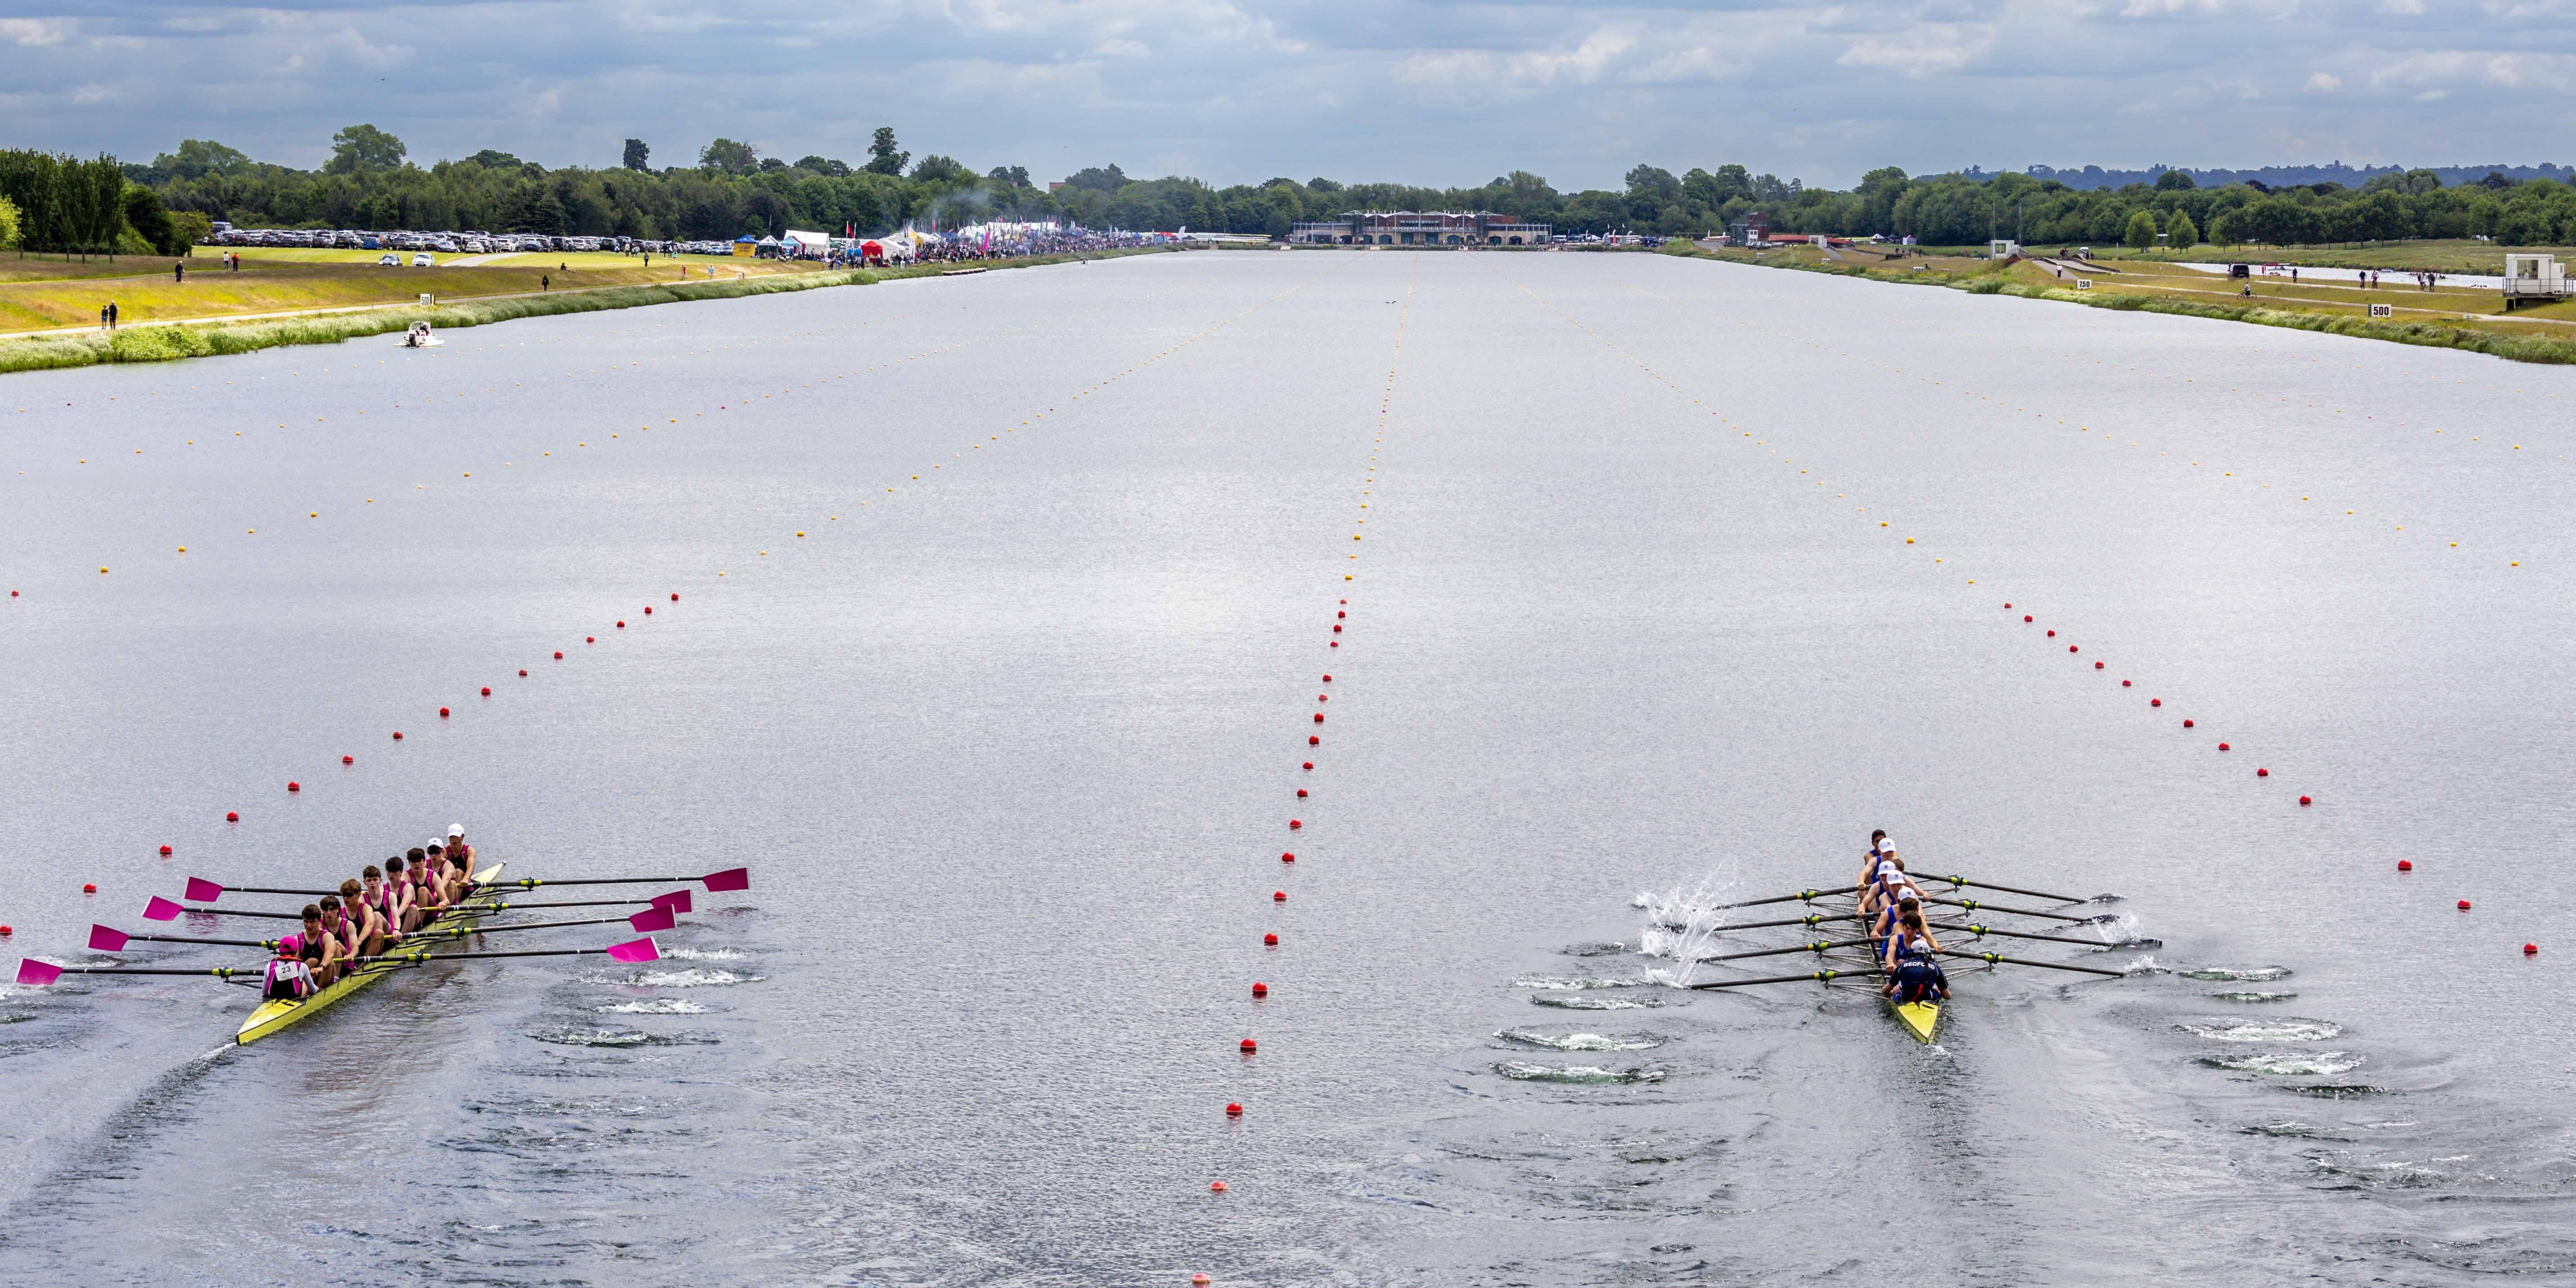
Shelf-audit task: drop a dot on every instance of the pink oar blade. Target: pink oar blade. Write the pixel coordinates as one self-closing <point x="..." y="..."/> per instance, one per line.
<point x="729" y="879"/>
<point x="200" y="890"/>
<point x="106" y="939"/>
<point x="650" y="920"/>
<point x="677" y="901"/>
<point x="640" y="950"/>
<point x="161" y="909"/>
<point x="37" y="974"/>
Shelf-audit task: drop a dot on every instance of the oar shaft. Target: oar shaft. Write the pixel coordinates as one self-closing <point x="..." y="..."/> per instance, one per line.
<point x="423" y="959"/>
<point x="218" y="972"/>
<point x="2024" y="934"/>
<point x="1991" y="958"/>
<point x="1973" y="905"/>
<point x="183" y="939"/>
<point x="1955" y="882"/>
<point x="1822" y="976"/>
<point x="1817" y="947"/>
<point x="459" y="932"/>
<point x="1786" y="898"/>
<point x="531" y="883"/>
<point x="235" y="912"/>
<point x="313" y="894"/>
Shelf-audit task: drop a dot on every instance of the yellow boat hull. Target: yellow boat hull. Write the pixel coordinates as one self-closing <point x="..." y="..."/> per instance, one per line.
<point x="1919" y="1018"/>
<point x="275" y="1015"/>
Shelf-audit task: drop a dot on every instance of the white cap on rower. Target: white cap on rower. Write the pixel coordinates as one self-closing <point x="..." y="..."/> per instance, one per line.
<point x="1908" y="894"/>
<point x="1890" y="872"/>
<point x="456" y="829"/>
<point x="436" y="843"/>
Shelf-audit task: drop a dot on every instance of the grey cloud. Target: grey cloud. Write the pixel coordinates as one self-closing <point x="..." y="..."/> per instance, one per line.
<point x="1240" y="91"/>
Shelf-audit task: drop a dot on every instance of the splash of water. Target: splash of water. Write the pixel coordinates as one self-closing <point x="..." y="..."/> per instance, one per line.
<point x="1681" y="923"/>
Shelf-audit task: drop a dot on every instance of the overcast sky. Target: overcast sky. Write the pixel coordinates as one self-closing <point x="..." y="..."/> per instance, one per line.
<point x="1238" y="92"/>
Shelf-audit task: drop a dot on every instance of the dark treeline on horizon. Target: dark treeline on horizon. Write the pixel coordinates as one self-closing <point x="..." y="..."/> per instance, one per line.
<point x="729" y="189"/>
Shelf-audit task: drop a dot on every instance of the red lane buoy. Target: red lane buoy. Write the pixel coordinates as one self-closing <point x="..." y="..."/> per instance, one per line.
<point x="2052" y="635"/>
<point x="1346" y="601"/>
<point x="1301" y="793"/>
<point x="1313" y="741"/>
<point x="1293" y="825"/>
<point x="2123" y="684"/>
<point x="2262" y="773"/>
<point x="589" y="639"/>
<point x="2096" y="666"/>
<point x="2186" y="724"/>
<point x="294" y="786"/>
<point x="675" y="599"/>
<point x="2007" y="605"/>
<point x="621" y="623"/>
<point x="1249" y="1046"/>
<point x="1233" y="1110"/>
<point x="397" y="735"/>
<point x="2530" y="949"/>
<point x="2406" y="865"/>
<point x="1310" y="764"/>
<point x="1341" y="614"/>
<point x="2070" y="648"/>
<point x="442" y="713"/>
<point x="2303" y="800"/>
<point x="2025" y="617"/>
<point x="1217" y="1187"/>
<point x="4" y="930"/>
<point x="1200" y="1280"/>
<point x="1337" y="628"/>
<point x="1278" y="896"/>
<point x="231" y="817"/>
<point x="87" y="888"/>
<point x="2222" y="746"/>
<point x="523" y="673"/>
<point x="1337" y="643"/>
<point x="2155" y="702"/>
<point x="165" y="851"/>
<point x="1260" y="989"/>
<point x="648" y="610"/>
<point x="2464" y="905"/>
<point x="1286" y="857"/>
<point x="487" y="690"/>
<point x="1319" y="717"/>
<point x="1328" y="678"/>
<point x="558" y="656"/>
<point x="1270" y="940"/>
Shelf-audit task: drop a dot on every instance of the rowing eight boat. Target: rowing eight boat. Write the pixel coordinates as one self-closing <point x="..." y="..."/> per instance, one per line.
<point x="276" y="1014"/>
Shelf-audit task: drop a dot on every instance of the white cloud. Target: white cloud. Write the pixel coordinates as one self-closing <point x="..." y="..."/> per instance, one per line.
<point x="2323" y="83"/>
<point x="1930" y="49"/>
<point x="35" y="33"/>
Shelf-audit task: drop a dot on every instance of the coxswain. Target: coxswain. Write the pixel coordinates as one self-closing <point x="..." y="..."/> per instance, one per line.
<point x="1913" y="963"/>
<point x="339" y="940"/>
<point x="290" y="969"/>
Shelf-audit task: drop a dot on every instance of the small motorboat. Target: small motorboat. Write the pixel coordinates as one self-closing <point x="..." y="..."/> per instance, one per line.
<point x="418" y="337"/>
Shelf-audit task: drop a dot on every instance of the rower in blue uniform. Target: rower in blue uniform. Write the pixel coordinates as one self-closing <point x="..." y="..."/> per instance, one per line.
<point x="1911" y="957"/>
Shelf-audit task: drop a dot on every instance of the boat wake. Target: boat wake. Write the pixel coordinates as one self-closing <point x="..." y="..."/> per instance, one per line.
<point x="2316" y="1065"/>
<point x="1581" y="1041"/>
<point x="655" y="1006"/>
<point x="1576" y="1074"/>
<point x="2280" y="1030"/>
<point x="1586" y="1002"/>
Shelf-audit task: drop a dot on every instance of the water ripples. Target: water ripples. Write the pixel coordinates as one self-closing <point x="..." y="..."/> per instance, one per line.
<point x="1576" y="1074"/>
<point x="2280" y="1030"/>
<point x="1581" y="1041"/>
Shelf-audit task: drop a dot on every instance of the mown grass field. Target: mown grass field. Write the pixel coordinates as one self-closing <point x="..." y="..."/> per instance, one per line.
<point x="280" y="281"/>
<point x="2458" y="256"/>
<point x="2450" y="316"/>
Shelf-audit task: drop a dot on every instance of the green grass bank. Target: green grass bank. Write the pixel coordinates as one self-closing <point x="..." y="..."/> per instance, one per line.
<point x="169" y="342"/>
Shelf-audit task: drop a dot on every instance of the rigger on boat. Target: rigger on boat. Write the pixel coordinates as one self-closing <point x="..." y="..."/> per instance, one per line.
<point x="1898" y="952"/>
<point x="385" y="919"/>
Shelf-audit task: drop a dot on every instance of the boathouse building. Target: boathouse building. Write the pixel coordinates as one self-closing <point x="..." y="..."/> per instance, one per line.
<point x="1421" y="228"/>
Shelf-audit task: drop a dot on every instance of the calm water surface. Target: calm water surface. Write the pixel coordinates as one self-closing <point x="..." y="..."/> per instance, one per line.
<point x="1005" y="602"/>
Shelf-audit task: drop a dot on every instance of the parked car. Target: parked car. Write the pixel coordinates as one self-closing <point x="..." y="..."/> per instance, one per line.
<point x="424" y="260"/>
<point x="389" y="260"/>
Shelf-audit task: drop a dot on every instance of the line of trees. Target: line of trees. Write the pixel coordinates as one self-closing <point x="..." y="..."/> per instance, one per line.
<point x="734" y="189"/>
<point x="63" y="204"/>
